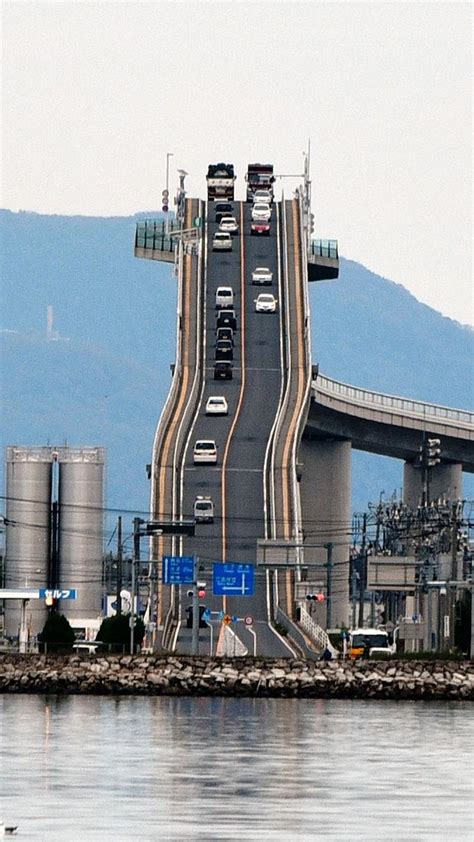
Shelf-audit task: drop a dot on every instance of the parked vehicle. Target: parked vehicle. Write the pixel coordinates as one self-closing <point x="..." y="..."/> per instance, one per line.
<point x="226" y="318"/>
<point x="203" y="510"/>
<point x="222" y="241"/>
<point x="265" y="303"/>
<point x="220" y="182"/>
<point x="217" y="405"/>
<point x="205" y="450"/>
<point x="262" y="275"/>
<point x="223" y="370"/>
<point x="364" y="643"/>
<point x="224" y="298"/>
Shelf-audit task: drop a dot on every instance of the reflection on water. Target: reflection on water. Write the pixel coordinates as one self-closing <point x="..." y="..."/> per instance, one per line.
<point x="149" y="769"/>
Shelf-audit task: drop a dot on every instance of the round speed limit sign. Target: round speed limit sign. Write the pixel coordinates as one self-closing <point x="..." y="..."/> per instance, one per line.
<point x="249" y="621"/>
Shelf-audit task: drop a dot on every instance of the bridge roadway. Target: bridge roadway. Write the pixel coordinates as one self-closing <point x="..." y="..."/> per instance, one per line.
<point x="237" y="483"/>
<point x="253" y="485"/>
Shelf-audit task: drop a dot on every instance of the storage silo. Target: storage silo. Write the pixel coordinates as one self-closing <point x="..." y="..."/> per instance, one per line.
<point x="28" y="531"/>
<point x="81" y="529"/>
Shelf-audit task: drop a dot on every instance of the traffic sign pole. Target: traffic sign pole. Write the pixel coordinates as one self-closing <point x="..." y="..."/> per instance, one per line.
<point x="195" y="630"/>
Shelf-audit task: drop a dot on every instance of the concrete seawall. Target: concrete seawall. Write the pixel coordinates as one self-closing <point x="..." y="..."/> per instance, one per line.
<point x="186" y="676"/>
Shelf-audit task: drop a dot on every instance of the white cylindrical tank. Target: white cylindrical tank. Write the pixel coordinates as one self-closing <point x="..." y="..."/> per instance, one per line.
<point x="81" y="529"/>
<point x="28" y="525"/>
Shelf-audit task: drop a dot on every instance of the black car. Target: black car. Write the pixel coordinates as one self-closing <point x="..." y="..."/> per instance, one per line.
<point x="225" y="333"/>
<point x="226" y="318"/>
<point x="223" y="209"/>
<point x="224" y="350"/>
<point x="223" y="370"/>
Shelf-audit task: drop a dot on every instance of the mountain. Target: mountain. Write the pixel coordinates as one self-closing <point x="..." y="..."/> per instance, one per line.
<point x="104" y="379"/>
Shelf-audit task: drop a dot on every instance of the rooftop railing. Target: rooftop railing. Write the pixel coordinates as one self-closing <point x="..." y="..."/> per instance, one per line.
<point x="391" y="403"/>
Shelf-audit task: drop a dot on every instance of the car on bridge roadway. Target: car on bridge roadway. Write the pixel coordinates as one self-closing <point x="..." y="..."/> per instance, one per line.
<point x="229" y="223"/>
<point x="261" y="211"/>
<point x="226" y="318"/>
<point x="262" y="196"/>
<point x="223" y="370"/>
<point x="265" y="303"/>
<point x="223" y="209"/>
<point x="222" y="241"/>
<point x="262" y="275"/>
<point x="205" y="450"/>
<point x="260" y="227"/>
<point x="224" y="297"/>
<point x="224" y="349"/>
<point x="217" y="405"/>
<point x="225" y="333"/>
<point x="203" y="510"/>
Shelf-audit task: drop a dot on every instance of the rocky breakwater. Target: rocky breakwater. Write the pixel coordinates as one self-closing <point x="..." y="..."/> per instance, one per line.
<point x="186" y="676"/>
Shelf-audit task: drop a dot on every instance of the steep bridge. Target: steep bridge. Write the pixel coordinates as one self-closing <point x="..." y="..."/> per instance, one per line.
<point x="283" y="450"/>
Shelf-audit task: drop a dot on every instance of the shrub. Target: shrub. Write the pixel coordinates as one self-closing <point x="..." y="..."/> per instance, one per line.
<point x="114" y="632"/>
<point x="57" y="635"/>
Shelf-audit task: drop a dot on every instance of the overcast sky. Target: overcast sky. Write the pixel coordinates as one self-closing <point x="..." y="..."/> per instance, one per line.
<point x="96" y="93"/>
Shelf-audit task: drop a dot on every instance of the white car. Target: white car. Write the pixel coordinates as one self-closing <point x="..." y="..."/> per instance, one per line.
<point x="205" y="450"/>
<point x="262" y="196"/>
<point x="203" y="510"/>
<point x="222" y="241"/>
<point x="261" y="211"/>
<point x="262" y="275"/>
<point x="217" y="405"/>
<point x="224" y="297"/>
<point x="265" y="303"/>
<point x="229" y="223"/>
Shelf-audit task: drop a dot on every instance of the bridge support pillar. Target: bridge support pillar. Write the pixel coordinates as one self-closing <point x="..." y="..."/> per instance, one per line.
<point x="444" y="481"/>
<point x="326" y="510"/>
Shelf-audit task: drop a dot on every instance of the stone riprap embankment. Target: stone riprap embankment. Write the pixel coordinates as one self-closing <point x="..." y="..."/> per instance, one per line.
<point x="186" y="676"/>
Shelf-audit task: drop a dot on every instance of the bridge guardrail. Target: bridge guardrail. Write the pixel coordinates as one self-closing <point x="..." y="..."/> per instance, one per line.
<point x="324" y="248"/>
<point x="392" y="403"/>
<point x="153" y="234"/>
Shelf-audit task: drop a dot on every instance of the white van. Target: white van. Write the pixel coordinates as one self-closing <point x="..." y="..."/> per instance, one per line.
<point x="205" y="450"/>
<point x="224" y="297"/>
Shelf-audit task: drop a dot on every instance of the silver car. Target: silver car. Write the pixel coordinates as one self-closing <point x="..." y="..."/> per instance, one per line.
<point x="222" y="241"/>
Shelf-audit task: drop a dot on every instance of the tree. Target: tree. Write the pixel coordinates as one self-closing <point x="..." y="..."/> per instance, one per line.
<point x="462" y="627"/>
<point x="115" y="631"/>
<point x="57" y="635"/>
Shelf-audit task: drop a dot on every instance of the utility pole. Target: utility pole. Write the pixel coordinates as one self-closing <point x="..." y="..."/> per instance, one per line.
<point x="195" y="628"/>
<point x="329" y="548"/>
<point x="451" y="589"/>
<point x="118" y="610"/>
<point x="135" y="560"/>
<point x="363" y="572"/>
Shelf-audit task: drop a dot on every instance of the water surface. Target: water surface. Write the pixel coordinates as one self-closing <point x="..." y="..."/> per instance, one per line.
<point x="149" y="769"/>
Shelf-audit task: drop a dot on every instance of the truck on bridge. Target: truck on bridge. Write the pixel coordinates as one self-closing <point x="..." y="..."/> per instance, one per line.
<point x="220" y="182"/>
<point x="259" y="177"/>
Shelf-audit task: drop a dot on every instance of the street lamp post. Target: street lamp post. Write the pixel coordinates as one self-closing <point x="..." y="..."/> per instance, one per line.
<point x="168" y="156"/>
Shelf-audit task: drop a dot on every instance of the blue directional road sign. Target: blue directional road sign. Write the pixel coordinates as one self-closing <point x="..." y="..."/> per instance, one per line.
<point x="233" y="579"/>
<point x="50" y="593"/>
<point x="178" y="569"/>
